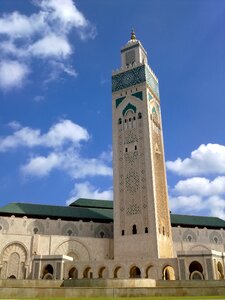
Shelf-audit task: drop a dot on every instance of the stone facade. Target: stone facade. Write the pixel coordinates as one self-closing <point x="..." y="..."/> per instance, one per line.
<point x="139" y="241"/>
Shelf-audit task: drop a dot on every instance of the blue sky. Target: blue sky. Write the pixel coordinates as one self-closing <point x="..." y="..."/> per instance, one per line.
<point x="56" y="59"/>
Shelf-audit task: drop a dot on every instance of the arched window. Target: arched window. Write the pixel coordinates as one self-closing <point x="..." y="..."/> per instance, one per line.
<point x="122" y="232"/>
<point x="69" y="232"/>
<point x="35" y="231"/>
<point x="135" y="147"/>
<point x="196" y="271"/>
<point x="189" y="238"/>
<point x="134" y="229"/>
<point x="135" y="272"/>
<point x="102" y="234"/>
<point x="139" y="115"/>
<point x="146" y="229"/>
<point x="119" y="121"/>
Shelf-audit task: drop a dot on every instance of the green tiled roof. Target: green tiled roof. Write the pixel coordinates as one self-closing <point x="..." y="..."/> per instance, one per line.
<point x="196" y="221"/>
<point x="57" y="212"/>
<point x="98" y="211"/>
<point x="81" y="202"/>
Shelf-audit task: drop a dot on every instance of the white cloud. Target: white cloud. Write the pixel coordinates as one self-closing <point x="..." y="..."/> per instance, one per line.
<point x="200" y="195"/>
<point x="69" y="161"/>
<point x="86" y="190"/>
<point x="41" y="166"/>
<point x="43" y="35"/>
<point x="12" y="74"/>
<point x="65" y="131"/>
<point x="201" y="186"/>
<point x="186" y="204"/>
<point x="64" y="141"/>
<point x="14" y="125"/>
<point x="207" y="159"/>
<point x="51" y="46"/>
<point x="81" y="167"/>
<point x="15" y="25"/>
<point x="198" y="205"/>
<point x="65" y="11"/>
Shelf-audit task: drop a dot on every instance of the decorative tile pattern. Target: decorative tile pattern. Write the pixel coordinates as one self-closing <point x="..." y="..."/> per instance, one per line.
<point x="150" y="97"/>
<point x="119" y="101"/>
<point x="135" y="76"/>
<point x="129" y="106"/>
<point x="138" y="95"/>
<point x="128" y="78"/>
<point x="152" y="83"/>
<point x="133" y="209"/>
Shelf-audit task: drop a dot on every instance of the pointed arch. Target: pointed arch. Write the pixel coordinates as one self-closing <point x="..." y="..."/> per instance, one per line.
<point x="73" y="246"/>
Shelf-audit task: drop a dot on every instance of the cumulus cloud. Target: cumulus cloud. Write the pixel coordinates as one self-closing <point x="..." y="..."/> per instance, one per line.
<point x="207" y="159"/>
<point x="43" y="35"/>
<point x="12" y="74"/>
<point x="201" y="186"/>
<point x="63" y="144"/>
<point x="65" y="131"/>
<point x="198" y="205"/>
<point x="51" y="46"/>
<point x="41" y="166"/>
<point x="86" y="190"/>
<point x="68" y="160"/>
<point x="200" y="195"/>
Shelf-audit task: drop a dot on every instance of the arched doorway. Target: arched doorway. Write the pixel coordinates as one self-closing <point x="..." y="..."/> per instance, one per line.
<point x="48" y="272"/>
<point x="168" y="273"/>
<point x="87" y="273"/>
<point x="102" y="272"/>
<point x="73" y="273"/>
<point x="149" y="272"/>
<point x="117" y="271"/>
<point x="196" y="271"/>
<point x="220" y="270"/>
<point x="14" y="257"/>
<point x="135" y="272"/>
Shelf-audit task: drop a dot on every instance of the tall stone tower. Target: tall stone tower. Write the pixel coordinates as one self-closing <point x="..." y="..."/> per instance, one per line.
<point x="142" y="227"/>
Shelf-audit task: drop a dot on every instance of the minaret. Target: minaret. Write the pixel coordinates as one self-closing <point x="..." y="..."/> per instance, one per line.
<point x="142" y="227"/>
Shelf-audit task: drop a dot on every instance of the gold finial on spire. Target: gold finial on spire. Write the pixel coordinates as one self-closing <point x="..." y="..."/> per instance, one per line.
<point x="133" y="36"/>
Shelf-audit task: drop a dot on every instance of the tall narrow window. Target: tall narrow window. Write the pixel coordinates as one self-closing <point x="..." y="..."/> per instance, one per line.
<point x="146" y="229"/>
<point x="122" y="232"/>
<point x="134" y="229"/>
<point x="139" y="115"/>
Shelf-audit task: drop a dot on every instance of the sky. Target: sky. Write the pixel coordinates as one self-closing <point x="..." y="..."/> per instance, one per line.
<point x="56" y="62"/>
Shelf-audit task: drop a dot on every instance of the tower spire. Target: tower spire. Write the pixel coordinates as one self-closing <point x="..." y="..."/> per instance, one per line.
<point x="133" y="36"/>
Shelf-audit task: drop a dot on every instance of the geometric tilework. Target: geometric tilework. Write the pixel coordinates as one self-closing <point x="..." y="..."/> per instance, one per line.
<point x="152" y="83"/>
<point x="119" y="100"/>
<point x="149" y="96"/>
<point x="129" y="106"/>
<point x="134" y="76"/>
<point x="128" y="78"/>
<point x="138" y="95"/>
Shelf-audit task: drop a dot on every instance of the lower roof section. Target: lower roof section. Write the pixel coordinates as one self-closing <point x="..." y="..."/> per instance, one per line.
<point x="97" y="211"/>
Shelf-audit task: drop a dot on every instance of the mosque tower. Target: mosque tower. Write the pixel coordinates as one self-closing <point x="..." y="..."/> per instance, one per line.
<point x="142" y="228"/>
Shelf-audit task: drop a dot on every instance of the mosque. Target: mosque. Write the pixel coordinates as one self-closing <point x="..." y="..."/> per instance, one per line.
<point x="134" y="236"/>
